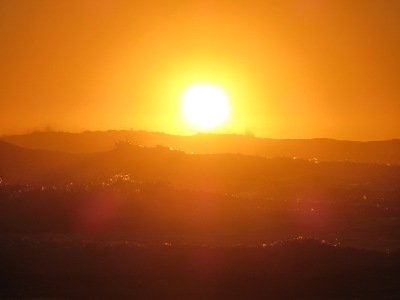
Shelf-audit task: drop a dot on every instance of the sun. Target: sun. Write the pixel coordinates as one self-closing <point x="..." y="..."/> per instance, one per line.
<point x="205" y="106"/>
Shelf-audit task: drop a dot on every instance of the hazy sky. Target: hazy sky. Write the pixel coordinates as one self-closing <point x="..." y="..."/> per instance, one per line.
<point x="292" y="69"/>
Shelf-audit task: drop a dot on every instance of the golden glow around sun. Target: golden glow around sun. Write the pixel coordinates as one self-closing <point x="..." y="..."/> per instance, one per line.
<point x="205" y="106"/>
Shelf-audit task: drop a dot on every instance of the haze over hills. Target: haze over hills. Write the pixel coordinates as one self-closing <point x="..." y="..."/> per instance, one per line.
<point x="384" y="152"/>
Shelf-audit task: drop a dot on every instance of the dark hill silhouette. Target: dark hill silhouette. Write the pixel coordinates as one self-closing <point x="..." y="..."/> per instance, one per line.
<point x="10" y="149"/>
<point x="20" y="165"/>
<point x="321" y="149"/>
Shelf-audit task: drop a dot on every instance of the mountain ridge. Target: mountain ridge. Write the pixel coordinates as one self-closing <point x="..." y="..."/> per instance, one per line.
<point x="322" y="149"/>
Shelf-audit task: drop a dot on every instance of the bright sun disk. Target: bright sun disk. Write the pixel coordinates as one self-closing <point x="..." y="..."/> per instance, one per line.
<point x="205" y="106"/>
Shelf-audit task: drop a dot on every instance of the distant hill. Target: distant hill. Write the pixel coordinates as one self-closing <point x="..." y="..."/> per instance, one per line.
<point x="383" y="152"/>
<point x="222" y="173"/>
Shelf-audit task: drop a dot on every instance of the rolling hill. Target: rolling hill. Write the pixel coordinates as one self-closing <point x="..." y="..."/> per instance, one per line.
<point x="383" y="152"/>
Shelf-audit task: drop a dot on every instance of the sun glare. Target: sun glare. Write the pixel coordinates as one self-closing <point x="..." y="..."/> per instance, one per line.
<point x="205" y="106"/>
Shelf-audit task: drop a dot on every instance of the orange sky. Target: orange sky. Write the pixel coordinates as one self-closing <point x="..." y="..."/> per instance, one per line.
<point x="292" y="69"/>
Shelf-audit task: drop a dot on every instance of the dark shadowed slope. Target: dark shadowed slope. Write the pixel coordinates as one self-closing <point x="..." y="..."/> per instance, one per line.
<point x="320" y="149"/>
<point x="26" y="166"/>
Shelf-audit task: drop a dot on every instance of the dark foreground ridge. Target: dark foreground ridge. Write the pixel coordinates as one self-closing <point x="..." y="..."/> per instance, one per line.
<point x="295" y="269"/>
